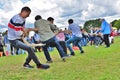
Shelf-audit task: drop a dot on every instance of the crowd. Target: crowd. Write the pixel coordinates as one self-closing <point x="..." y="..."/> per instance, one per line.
<point x="46" y="32"/>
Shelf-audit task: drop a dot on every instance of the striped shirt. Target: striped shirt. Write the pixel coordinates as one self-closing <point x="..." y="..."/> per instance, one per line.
<point x="15" y="27"/>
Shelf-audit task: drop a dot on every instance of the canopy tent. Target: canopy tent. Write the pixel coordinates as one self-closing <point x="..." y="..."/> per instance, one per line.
<point x="114" y="28"/>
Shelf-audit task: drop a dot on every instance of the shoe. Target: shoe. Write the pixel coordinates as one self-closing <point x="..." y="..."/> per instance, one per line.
<point x="107" y="46"/>
<point x="96" y="46"/>
<point x="63" y="59"/>
<point x="68" y="55"/>
<point x="43" y="66"/>
<point x="82" y="52"/>
<point x="73" y="54"/>
<point x="27" y="66"/>
<point x="49" y="61"/>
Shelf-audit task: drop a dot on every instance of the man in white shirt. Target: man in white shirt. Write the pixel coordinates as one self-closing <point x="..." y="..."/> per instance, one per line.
<point x="16" y="27"/>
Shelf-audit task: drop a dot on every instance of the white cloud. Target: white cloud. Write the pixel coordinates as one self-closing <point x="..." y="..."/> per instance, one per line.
<point x="9" y="8"/>
<point x="61" y="10"/>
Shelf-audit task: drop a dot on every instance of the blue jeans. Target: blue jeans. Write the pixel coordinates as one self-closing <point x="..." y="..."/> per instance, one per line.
<point x="31" y="54"/>
<point x="83" y="41"/>
<point x="57" y="45"/>
<point x="77" y="43"/>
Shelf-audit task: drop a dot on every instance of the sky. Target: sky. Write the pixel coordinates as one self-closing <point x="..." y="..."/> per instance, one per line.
<point x="61" y="10"/>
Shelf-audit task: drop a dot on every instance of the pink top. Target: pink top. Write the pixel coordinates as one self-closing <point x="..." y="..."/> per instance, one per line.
<point x="60" y="36"/>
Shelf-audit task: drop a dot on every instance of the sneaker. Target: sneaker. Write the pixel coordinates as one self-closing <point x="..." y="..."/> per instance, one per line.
<point x="68" y="55"/>
<point x="49" y="61"/>
<point x="27" y="66"/>
<point x="63" y="59"/>
<point x="73" y="54"/>
<point x="43" y="66"/>
<point x="107" y="46"/>
<point x="82" y="52"/>
<point x="96" y="46"/>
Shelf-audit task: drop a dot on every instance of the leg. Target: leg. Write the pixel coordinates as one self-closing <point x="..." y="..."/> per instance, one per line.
<point x="78" y="39"/>
<point x="106" y="39"/>
<point x="46" y="53"/>
<point x="63" y="45"/>
<point x="58" y="46"/>
<point x="31" y="54"/>
<point x="68" y="44"/>
<point x="108" y="42"/>
<point x="2" y="50"/>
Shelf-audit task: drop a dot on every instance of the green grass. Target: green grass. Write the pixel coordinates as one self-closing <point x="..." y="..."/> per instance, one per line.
<point x="96" y="64"/>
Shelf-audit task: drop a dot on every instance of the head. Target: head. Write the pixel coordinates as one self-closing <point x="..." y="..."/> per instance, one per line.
<point x="50" y="19"/>
<point x="70" y="21"/>
<point x="6" y="32"/>
<point x="38" y="17"/>
<point x="65" y="29"/>
<point x="36" y="32"/>
<point x="25" y="12"/>
<point x="102" y="20"/>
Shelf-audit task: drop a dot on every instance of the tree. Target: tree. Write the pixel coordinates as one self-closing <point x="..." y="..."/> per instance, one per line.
<point x="92" y="23"/>
<point x="116" y="23"/>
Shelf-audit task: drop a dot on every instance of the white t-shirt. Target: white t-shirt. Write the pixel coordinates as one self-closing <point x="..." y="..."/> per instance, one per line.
<point x="15" y="27"/>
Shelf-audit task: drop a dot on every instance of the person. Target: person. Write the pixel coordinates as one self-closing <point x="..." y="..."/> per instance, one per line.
<point x="60" y="36"/>
<point x="91" y="35"/>
<point x="76" y="36"/>
<point x="16" y="29"/>
<point x="36" y="40"/>
<point x="47" y="37"/>
<point x="9" y="48"/>
<point x="6" y="43"/>
<point x="106" y="30"/>
<point x="1" y="45"/>
<point x="67" y="35"/>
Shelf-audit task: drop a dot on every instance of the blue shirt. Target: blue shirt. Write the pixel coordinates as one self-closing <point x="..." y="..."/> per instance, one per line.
<point x="75" y="29"/>
<point x="36" y="37"/>
<point x="6" y="41"/>
<point x="105" y="27"/>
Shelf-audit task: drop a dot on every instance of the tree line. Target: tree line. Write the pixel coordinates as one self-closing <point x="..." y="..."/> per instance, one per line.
<point x="97" y="23"/>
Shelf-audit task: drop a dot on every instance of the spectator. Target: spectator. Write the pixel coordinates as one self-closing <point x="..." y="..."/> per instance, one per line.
<point x="1" y="45"/>
<point x="106" y="30"/>
<point x="36" y="39"/>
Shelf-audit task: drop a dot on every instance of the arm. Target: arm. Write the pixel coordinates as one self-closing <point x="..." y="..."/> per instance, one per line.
<point x="27" y="30"/>
<point x="54" y="28"/>
<point x="102" y="27"/>
<point x="30" y="29"/>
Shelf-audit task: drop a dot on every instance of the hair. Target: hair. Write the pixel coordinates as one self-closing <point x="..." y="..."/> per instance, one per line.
<point x="6" y="31"/>
<point x="38" y="17"/>
<point x="70" y="21"/>
<point x="27" y="9"/>
<point x="50" y="19"/>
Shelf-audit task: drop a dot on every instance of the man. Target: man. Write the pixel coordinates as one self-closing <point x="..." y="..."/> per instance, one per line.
<point x="106" y="30"/>
<point x="76" y="36"/>
<point x="47" y="37"/>
<point x="1" y="45"/>
<point x="16" y="27"/>
<point x="60" y="35"/>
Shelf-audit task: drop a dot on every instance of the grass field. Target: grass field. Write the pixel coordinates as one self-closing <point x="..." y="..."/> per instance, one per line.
<point x="96" y="64"/>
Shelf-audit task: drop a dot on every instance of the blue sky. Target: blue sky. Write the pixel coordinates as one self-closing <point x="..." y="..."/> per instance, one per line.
<point x="60" y="10"/>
